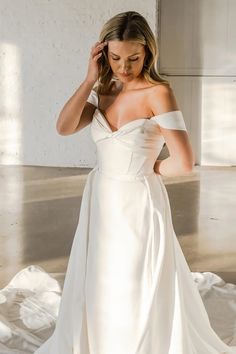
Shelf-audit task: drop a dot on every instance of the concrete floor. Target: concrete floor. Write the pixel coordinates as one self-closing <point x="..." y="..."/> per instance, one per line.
<point x="39" y="212"/>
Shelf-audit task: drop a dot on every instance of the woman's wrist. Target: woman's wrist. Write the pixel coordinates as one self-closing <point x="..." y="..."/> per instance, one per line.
<point x="157" y="167"/>
<point x="89" y="82"/>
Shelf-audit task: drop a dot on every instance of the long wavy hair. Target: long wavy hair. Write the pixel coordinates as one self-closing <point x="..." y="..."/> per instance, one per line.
<point x="128" y="26"/>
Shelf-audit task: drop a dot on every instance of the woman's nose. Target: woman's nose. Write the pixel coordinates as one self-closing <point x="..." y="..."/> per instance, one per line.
<point x="124" y="66"/>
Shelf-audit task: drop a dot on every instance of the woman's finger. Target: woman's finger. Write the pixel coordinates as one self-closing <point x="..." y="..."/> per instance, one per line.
<point x="97" y="56"/>
<point x="98" y="47"/>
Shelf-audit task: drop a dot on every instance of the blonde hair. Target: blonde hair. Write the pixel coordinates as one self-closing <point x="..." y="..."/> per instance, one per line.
<point x="125" y="26"/>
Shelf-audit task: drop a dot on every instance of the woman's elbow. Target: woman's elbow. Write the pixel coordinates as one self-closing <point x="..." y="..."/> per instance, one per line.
<point x="61" y="130"/>
<point x="187" y="168"/>
<point x="188" y="165"/>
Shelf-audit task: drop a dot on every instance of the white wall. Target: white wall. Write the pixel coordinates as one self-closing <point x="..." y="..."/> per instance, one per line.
<point x="44" y="50"/>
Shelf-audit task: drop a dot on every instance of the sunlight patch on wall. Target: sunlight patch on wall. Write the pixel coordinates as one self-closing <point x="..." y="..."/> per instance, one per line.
<point x="11" y="147"/>
<point x="10" y="105"/>
<point x="218" y="122"/>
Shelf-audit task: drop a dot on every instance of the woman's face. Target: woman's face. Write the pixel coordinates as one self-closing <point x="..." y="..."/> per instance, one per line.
<point x="126" y="59"/>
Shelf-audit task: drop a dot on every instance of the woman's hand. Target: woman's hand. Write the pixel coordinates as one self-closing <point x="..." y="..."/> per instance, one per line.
<point x="156" y="167"/>
<point x="93" y="68"/>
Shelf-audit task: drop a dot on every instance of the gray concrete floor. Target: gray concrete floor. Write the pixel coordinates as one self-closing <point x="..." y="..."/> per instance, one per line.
<point x="39" y="212"/>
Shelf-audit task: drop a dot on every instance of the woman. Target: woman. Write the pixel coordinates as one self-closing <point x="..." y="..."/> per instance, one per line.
<point x="128" y="288"/>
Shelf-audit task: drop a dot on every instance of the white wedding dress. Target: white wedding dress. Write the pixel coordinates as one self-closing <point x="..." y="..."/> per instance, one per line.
<point x="128" y="288"/>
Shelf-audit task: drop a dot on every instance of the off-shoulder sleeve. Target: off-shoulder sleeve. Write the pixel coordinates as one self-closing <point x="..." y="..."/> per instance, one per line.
<point x="93" y="98"/>
<point x="171" y="120"/>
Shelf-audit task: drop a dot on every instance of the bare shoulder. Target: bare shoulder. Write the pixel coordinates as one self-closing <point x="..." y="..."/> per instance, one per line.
<point x="161" y="99"/>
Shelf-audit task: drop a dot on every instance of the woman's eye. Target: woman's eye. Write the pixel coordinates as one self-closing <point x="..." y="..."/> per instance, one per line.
<point x="129" y="59"/>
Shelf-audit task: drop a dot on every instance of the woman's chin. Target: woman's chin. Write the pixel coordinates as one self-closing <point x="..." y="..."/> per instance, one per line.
<point x="125" y="77"/>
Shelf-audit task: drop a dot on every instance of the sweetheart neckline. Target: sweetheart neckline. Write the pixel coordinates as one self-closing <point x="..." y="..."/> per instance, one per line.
<point x="124" y="125"/>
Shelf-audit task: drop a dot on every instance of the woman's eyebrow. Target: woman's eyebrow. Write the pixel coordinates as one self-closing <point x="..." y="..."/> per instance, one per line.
<point x="128" y="56"/>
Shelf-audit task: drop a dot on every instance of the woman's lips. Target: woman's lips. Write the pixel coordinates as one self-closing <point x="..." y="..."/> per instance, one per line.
<point x="123" y="74"/>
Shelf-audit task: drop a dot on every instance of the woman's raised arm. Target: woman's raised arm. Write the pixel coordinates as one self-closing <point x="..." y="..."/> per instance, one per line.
<point x="77" y="112"/>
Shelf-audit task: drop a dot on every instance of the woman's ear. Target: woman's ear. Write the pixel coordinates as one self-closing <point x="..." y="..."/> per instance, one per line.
<point x="146" y="55"/>
<point x="145" y="60"/>
<point x="105" y="55"/>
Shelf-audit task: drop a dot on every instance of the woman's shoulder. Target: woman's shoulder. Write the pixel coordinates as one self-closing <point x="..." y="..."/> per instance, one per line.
<point x="162" y="98"/>
<point x="161" y="88"/>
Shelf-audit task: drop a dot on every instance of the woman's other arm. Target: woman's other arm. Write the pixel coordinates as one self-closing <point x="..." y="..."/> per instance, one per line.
<point x="181" y="159"/>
